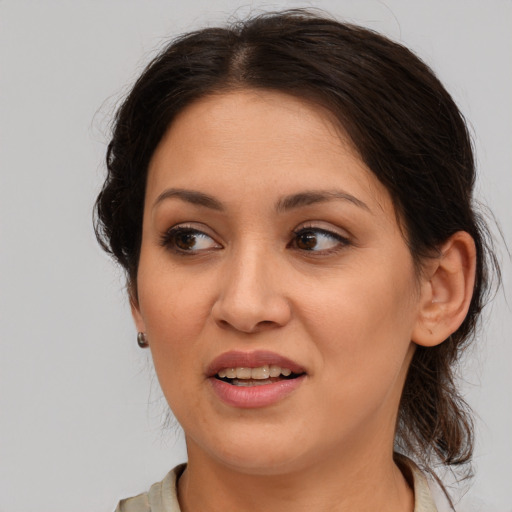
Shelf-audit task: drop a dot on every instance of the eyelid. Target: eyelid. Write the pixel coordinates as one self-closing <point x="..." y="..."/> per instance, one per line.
<point x="192" y="227"/>
<point x="343" y="239"/>
<point x="325" y="227"/>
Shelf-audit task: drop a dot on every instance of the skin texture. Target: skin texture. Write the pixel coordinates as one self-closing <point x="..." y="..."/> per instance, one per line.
<point x="346" y="310"/>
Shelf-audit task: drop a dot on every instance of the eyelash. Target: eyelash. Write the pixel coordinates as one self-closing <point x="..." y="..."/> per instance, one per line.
<point x="168" y="240"/>
<point x="342" y="241"/>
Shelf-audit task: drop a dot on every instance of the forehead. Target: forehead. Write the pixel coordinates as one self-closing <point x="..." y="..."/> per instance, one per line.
<point x="263" y="141"/>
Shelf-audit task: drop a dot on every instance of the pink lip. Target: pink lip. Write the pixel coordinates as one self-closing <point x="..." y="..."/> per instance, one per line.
<point x="253" y="359"/>
<point x="249" y="397"/>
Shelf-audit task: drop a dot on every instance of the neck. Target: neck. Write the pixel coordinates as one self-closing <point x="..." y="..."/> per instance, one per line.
<point x="337" y="484"/>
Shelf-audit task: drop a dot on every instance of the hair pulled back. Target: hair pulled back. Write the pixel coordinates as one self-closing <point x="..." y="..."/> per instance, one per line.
<point x="402" y="121"/>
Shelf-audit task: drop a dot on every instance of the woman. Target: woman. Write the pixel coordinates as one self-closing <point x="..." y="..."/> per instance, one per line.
<point x="291" y="199"/>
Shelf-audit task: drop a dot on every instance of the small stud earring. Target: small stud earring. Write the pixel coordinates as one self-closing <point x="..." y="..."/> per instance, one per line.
<point x="141" y="340"/>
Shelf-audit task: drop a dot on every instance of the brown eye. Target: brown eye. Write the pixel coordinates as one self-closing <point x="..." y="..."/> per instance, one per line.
<point x="318" y="240"/>
<point x="306" y="241"/>
<point x="183" y="240"/>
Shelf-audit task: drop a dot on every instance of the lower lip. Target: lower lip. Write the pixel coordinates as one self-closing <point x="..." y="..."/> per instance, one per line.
<point x="254" y="396"/>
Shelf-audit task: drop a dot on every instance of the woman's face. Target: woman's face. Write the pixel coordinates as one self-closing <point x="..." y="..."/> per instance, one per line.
<point x="269" y="247"/>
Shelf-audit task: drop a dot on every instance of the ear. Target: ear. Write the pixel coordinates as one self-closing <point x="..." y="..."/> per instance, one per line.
<point x="136" y="313"/>
<point x="446" y="290"/>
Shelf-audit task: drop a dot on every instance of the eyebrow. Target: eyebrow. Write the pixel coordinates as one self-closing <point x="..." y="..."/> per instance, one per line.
<point x="284" y="204"/>
<point x="190" y="196"/>
<point x="317" y="196"/>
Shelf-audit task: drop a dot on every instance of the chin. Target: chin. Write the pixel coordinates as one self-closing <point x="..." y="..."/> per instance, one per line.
<point x="260" y="451"/>
<point x="264" y="464"/>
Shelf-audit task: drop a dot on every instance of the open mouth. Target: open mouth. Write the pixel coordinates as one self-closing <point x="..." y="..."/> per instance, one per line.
<point x="259" y="376"/>
<point x="250" y="380"/>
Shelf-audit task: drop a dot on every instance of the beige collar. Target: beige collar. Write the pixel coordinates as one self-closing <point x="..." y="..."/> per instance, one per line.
<point x="423" y="501"/>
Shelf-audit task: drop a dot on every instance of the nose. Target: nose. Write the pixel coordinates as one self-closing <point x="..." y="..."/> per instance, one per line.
<point x="250" y="297"/>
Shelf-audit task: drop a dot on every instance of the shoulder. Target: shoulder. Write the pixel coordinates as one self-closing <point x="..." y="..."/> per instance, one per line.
<point x="161" y="497"/>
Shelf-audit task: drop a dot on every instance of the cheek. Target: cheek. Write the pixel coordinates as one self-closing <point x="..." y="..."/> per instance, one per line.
<point x="174" y="311"/>
<point x="363" y="347"/>
<point x="363" y="321"/>
<point x="173" y="303"/>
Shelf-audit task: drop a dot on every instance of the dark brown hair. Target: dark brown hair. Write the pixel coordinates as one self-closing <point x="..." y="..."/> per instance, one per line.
<point x="400" y="118"/>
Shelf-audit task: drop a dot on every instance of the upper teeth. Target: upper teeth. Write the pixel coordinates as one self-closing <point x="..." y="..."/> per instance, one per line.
<point x="262" y="372"/>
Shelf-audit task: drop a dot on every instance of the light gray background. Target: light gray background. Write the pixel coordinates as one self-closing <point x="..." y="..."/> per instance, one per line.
<point x="80" y="413"/>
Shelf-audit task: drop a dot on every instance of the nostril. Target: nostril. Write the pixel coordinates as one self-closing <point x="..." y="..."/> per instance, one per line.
<point x="249" y="328"/>
<point x="223" y="323"/>
<point x="246" y="314"/>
